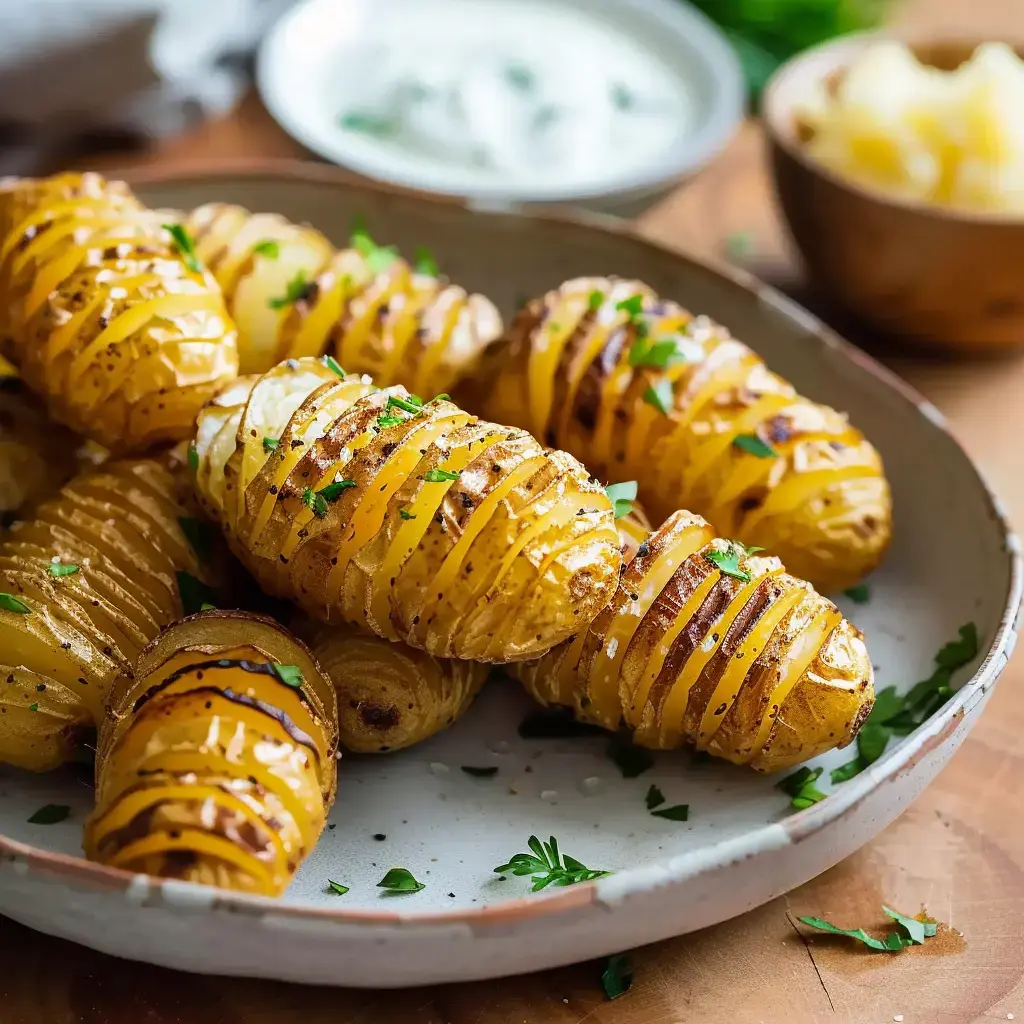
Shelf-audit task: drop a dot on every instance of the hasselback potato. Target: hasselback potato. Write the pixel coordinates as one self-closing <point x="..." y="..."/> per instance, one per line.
<point x="107" y="314"/>
<point x="392" y="695"/>
<point x="637" y="387"/>
<point x="85" y="584"/>
<point x="292" y="294"/>
<point x="216" y="763"/>
<point x="417" y="521"/>
<point x="711" y="644"/>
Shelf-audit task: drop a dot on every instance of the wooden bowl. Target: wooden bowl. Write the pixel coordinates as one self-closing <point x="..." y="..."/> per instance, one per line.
<point x="941" y="278"/>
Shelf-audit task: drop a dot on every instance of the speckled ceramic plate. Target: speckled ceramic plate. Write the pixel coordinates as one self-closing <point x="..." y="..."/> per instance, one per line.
<point x="954" y="560"/>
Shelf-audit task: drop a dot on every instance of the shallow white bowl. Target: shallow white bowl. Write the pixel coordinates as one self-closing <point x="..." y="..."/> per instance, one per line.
<point x="296" y="75"/>
<point x="953" y="560"/>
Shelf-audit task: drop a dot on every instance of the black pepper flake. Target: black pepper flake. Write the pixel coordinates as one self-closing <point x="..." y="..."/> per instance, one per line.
<point x="467" y="501"/>
<point x="297" y="444"/>
<point x="379" y="836"/>
<point x="643" y="550"/>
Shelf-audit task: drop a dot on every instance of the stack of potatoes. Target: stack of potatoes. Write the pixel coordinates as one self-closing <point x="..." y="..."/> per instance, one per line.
<point x="413" y="543"/>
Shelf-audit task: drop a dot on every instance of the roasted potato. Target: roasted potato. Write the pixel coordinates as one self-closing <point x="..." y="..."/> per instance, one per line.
<point x="108" y="315"/>
<point x="36" y="455"/>
<point x="391" y="695"/>
<point x="292" y="294"/>
<point x="414" y="520"/>
<point x="709" y="644"/>
<point x="216" y="762"/>
<point x="85" y="584"/>
<point x="638" y="388"/>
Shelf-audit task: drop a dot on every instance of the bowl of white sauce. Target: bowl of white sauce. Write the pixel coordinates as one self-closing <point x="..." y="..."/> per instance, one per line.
<point x="508" y="103"/>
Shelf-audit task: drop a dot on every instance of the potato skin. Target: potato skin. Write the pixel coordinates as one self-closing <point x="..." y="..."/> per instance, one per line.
<point x="392" y="696"/>
<point x="387" y="319"/>
<point x="120" y="525"/>
<point x="761" y="671"/>
<point x="570" y="370"/>
<point x="104" y="316"/>
<point x="460" y="537"/>
<point x="212" y="766"/>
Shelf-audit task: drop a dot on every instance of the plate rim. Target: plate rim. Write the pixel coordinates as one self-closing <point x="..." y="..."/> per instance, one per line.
<point x="185" y="897"/>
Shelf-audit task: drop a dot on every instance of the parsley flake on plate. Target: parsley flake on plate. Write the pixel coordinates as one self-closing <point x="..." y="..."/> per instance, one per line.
<point x="50" y="814"/>
<point x="400" y="880"/>
<point x="547" y="866"/>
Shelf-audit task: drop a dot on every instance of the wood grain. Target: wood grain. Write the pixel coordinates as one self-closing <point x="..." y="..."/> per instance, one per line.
<point x="958" y="851"/>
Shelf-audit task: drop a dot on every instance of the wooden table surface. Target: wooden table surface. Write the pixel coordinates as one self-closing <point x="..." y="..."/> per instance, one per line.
<point x="959" y="850"/>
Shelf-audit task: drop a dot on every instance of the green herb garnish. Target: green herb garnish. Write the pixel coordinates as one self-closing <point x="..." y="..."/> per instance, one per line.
<point x="413" y="403"/>
<point x="656" y="353"/>
<point x="405" y="514"/>
<point x="622" y="497"/>
<point x="661" y="396"/>
<point x="680" y="812"/>
<point x="859" y="594"/>
<point x="315" y="501"/>
<point x="617" y="976"/>
<point x="337" y="887"/>
<point x="369" y="124"/>
<point x="595" y="300"/>
<point x="547" y="866"/>
<point x="268" y="248"/>
<point x="62" y="568"/>
<point x="424" y="262"/>
<point x="333" y="491"/>
<point x="194" y="593"/>
<point x="728" y="561"/>
<point x="378" y="257"/>
<point x="207" y="607"/>
<point x="753" y="445"/>
<point x="436" y="476"/>
<point x="270" y="444"/>
<point x="384" y="422"/>
<point x="400" y="880"/>
<point x="10" y="603"/>
<point x="800" y="787"/>
<point x="630" y="760"/>
<point x="51" y="814"/>
<point x="654" y="798"/>
<point x="290" y="675"/>
<point x="739" y="244"/>
<point x="184" y="245"/>
<point x="294" y="291"/>
<point x="192" y="458"/>
<point x="916" y="931"/>
<point x="633" y="306"/>
<point x="199" y="535"/>
<point x="34" y="706"/>
<point x="332" y="364"/>
<point x="480" y="773"/>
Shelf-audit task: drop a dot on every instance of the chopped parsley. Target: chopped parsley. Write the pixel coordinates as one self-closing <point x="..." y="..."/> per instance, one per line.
<point x="916" y="931"/>
<point x="333" y="491"/>
<point x="899" y="715"/>
<point x="399" y="880"/>
<point x="192" y="458"/>
<point x="9" y="603"/>
<point x="378" y="257"/>
<point x="332" y="364"/>
<point x="337" y="887"/>
<point x="412" y="404"/>
<point x="199" y="534"/>
<point x="484" y="772"/>
<point x="436" y="476"/>
<point x="661" y="396"/>
<point x="184" y="244"/>
<point x="294" y="291"/>
<point x="290" y="675"/>
<point x="633" y="306"/>
<point x="800" y="787"/>
<point x="194" y="593"/>
<point x="547" y="866"/>
<point x="680" y="812"/>
<point x="654" y="798"/>
<point x="617" y="976"/>
<point x="659" y="353"/>
<point x="316" y="501"/>
<point x="207" y="607"/>
<point x="389" y="421"/>
<point x="739" y="244"/>
<point x="405" y="514"/>
<point x="595" y="300"/>
<point x="62" y="568"/>
<point x="754" y="445"/>
<point x="270" y="444"/>
<point x="50" y="814"/>
<point x="622" y="497"/>
<point x="859" y="594"/>
<point x="34" y="706"/>
<point x="728" y="561"/>
<point x="268" y="248"/>
<point x="424" y="262"/>
<point x="629" y="759"/>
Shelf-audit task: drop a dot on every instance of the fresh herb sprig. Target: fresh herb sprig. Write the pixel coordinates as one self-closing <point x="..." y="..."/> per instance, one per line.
<point x="915" y="931"/>
<point x="548" y="866"/>
<point x="728" y="561"/>
<point x="800" y="786"/>
<point x="400" y="880"/>
<point x="622" y="496"/>
<point x="184" y="244"/>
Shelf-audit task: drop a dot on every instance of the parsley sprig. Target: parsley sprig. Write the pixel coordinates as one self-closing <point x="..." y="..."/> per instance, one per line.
<point x="916" y="931"/>
<point x="547" y="866"/>
<point x="800" y="786"/>
<point x="728" y="561"/>
<point x="378" y="257"/>
<point x="622" y="496"/>
<point x="184" y="244"/>
<point x="899" y="715"/>
<point x="294" y="291"/>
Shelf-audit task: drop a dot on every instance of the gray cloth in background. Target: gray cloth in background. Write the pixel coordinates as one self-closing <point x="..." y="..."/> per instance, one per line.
<point x="77" y="75"/>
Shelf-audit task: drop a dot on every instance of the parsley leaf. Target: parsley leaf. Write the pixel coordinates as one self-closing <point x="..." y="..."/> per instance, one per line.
<point x="184" y="244"/>
<point x="337" y="887"/>
<point x="268" y="248"/>
<point x="660" y="353"/>
<point x="270" y="444"/>
<point x="661" y="396"/>
<point x="480" y="773"/>
<point x="680" y="812"/>
<point x="315" y="501"/>
<point x="622" y="497"/>
<point x="728" y="561"/>
<point x="412" y="404"/>
<point x="754" y="445"/>
<point x="859" y="594"/>
<point x="378" y="257"/>
<point x="9" y="603"/>
<point x="34" y="706"/>
<point x="891" y="943"/>
<point x="654" y="798"/>
<point x="595" y="300"/>
<point x="294" y="291"/>
<point x="917" y="931"/>
<point x="633" y="306"/>
<point x="406" y="514"/>
<point x="617" y="976"/>
<point x="333" y="491"/>
<point x="436" y="476"/>
<point x="424" y="262"/>
<point x="290" y="675"/>
<point x="400" y="880"/>
<point x="194" y="593"/>
<point x="630" y="760"/>
<point x="332" y="364"/>
<point x="192" y="458"/>
<point x="50" y="814"/>
<point x="800" y="787"/>
<point x="547" y="866"/>
<point x="389" y="421"/>
<point x="62" y="569"/>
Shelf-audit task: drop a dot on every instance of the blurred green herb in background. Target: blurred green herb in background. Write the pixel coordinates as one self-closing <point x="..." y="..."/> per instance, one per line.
<point x="766" y="33"/>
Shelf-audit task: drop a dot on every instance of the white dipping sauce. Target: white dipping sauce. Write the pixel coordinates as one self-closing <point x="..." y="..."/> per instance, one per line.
<point x="510" y="92"/>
